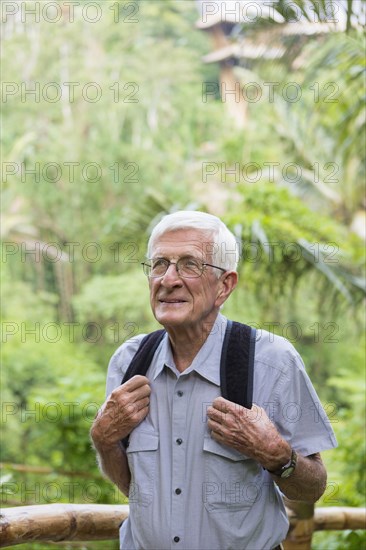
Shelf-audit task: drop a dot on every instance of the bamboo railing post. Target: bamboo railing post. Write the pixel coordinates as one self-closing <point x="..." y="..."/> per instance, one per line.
<point x="301" y="516"/>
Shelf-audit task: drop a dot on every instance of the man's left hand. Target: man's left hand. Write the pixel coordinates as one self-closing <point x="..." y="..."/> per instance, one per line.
<point x="250" y="431"/>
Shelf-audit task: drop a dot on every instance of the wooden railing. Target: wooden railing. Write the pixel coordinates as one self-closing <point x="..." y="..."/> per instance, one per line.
<point x="86" y="522"/>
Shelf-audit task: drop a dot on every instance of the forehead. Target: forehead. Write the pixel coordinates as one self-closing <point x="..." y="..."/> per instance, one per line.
<point x="184" y="242"/>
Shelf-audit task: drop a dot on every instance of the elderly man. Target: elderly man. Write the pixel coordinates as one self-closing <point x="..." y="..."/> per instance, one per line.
<point x="201" y="471"/>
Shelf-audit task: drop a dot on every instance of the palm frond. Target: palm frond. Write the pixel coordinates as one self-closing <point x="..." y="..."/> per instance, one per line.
<point x="341" y="279"/>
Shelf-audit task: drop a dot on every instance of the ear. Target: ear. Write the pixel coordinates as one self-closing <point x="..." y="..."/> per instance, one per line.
<point x="227" y="284"/>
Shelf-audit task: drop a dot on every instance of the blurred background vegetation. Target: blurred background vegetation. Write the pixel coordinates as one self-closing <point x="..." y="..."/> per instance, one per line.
<point x="86" y="172"/>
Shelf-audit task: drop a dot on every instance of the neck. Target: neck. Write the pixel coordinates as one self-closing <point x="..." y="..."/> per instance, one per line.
<point x="186" y="342"/>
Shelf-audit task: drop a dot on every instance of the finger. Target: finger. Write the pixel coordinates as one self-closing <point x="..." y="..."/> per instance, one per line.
<point x="217" y="432"/>
<point x="215" y="414"/>
<point x="135" y="382"/>
<point x="122" y="402"/>
<point x="213" y="425"/>
<point x="217" y="437"/>
<point x="140" y="393"/>
<point x="143" y="403"/>
<point x="141" y="415"/>
<point x="255" y="414"/>
<point x="134" y="389"/>
<point x="222" y="404"/>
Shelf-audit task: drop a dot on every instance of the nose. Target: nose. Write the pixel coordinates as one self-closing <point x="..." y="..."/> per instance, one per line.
<point x="171" y="277"/>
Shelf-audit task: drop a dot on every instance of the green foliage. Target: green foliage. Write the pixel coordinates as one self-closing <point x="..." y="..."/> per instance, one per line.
<point x="120" y="303"/>
<point x="351" y="430"/>
<point x="344" y="540"/>
<point x="283" y="240"/>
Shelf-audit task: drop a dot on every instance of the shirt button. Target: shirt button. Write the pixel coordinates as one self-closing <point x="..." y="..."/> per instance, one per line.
<point x="179" y="393"/>
<point x="176" y="539"/>
<point x="178" y="491"/>
<point x="179" y="441"/>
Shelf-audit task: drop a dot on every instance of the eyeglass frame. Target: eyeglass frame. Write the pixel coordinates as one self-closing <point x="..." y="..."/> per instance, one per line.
<point x="169" y="263"/>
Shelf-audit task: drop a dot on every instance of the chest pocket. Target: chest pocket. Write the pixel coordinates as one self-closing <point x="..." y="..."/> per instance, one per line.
<point x="231" y="478"/>
<point x="142" y="458"/>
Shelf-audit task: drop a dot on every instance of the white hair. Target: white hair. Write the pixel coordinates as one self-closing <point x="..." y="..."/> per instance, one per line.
<point x="223" y="246"/>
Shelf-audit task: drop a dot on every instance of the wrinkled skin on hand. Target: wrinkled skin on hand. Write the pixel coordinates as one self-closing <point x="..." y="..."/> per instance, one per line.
<point x="123" y="410"/>
<point x="250" y="431"/>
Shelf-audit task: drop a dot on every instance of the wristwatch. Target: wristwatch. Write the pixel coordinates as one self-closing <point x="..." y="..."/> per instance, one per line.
<point x="288" y="469"/>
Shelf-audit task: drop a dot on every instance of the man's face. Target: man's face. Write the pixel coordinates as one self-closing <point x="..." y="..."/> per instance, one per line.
<point x="183" y="302"/>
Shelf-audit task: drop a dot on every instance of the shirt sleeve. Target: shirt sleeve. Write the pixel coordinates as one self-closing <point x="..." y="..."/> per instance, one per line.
<point x="120" y="361"/>
<point x="291" y="400"/>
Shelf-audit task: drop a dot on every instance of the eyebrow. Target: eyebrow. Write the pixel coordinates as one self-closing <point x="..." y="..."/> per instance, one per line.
<point x="186" y="256"/>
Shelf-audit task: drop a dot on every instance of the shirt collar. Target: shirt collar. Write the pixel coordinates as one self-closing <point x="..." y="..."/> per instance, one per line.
<point x="207" y="361"/>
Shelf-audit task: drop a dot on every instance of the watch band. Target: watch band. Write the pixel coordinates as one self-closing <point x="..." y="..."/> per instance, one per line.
<point x="288" y="469"/>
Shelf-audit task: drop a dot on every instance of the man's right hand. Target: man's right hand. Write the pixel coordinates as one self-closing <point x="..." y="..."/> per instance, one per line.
<point x="123" y="410"/>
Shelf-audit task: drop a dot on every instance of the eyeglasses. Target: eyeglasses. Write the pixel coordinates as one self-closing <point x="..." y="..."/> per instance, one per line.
<point x="189" y="268"/>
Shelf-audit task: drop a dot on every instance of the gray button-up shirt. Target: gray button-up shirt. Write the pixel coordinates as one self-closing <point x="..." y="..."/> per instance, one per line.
<point x="188" y="491"/>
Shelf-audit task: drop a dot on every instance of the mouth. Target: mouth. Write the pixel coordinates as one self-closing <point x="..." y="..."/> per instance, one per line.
<point x="170" y="301"/>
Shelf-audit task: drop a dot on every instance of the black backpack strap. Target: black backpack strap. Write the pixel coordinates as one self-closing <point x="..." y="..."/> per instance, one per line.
<point x="237" y="364"/>
<point x="141" y="361"/>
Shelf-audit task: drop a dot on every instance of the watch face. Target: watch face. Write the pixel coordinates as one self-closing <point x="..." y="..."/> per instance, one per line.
<point x="288" y="472"/>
